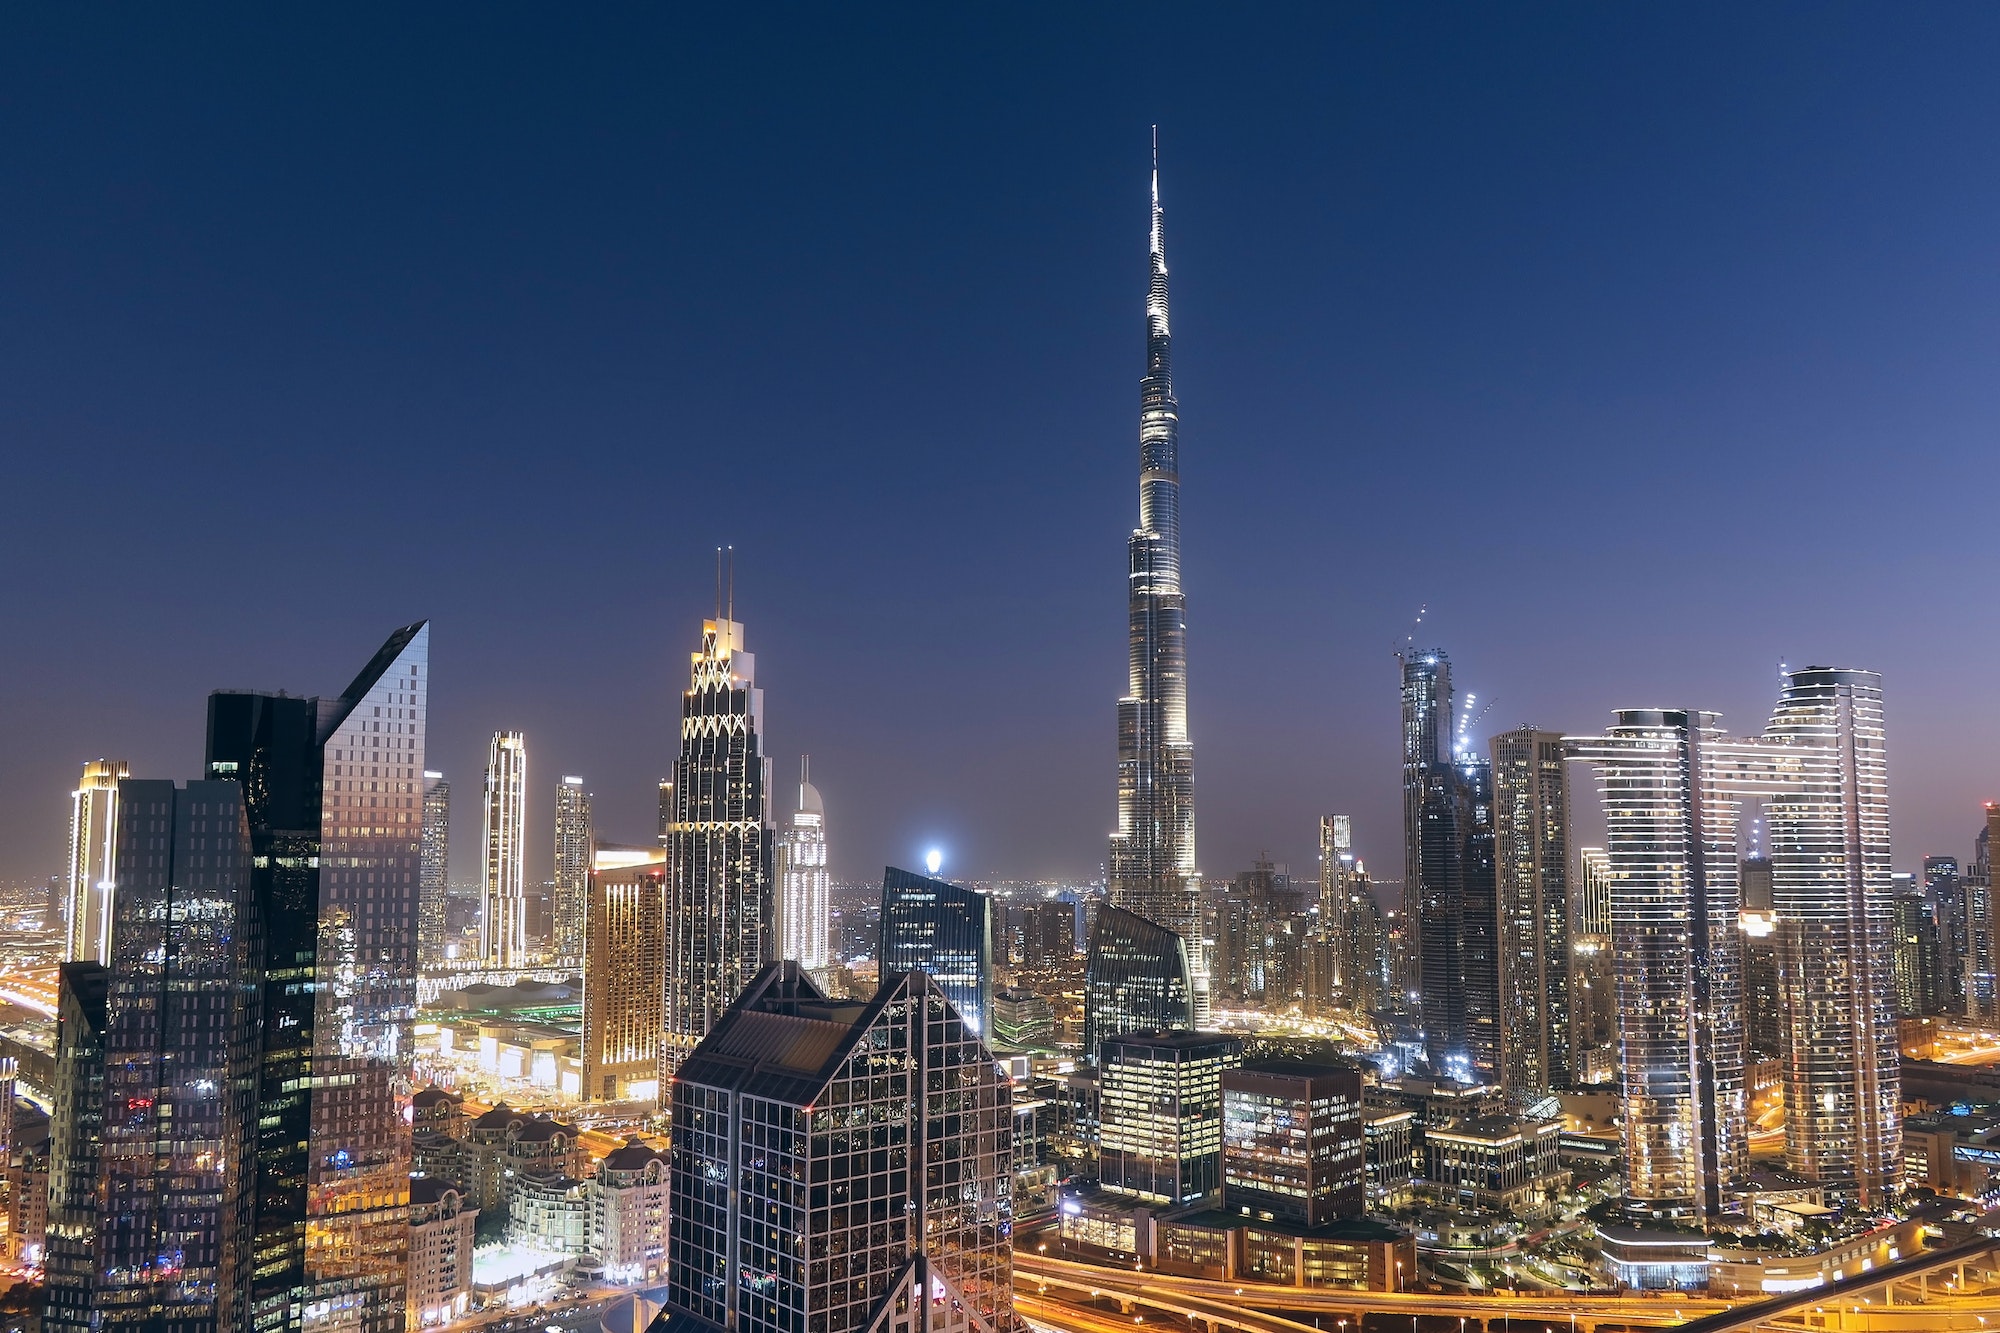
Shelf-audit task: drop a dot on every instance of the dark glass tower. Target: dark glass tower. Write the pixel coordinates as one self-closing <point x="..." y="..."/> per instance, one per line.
<point x="76" y="1144"/>
<point x="334" y="794"/>
<point x="1136" y="979"/>
<point x="946" y="932"/>
<point x="722" y="894"/>
<point x="1152" y="862"/>
<point x="840" y="1167"/>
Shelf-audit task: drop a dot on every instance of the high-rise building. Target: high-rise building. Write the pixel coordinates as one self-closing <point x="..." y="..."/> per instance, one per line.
<point x="334" y="798"/>
<point x="1914" y="955"/>
<point x="1340" y="880"/>
<point x="1531" y="844"/>
<point x="432" y="891"/>
<point x="1981" y="962"/>
<point x="1947" y="896"/>
<point x="1427" y="787"/>
<point x="1048" y="934"/>
<point x="1674" y="930"/>
<point x="1136" y="979"/>
<point x="945" y="931"/>
<point x="503" y="914"/>
<point x="1152" y="860"/>
<point x="1160" y="1114"/>
<point x="76" y="1132"/>
<point x="442" y="1224"/>
<point x="176" y="1175"/>
<point x="1763" y="1004"/>
<point x="840" y="1166"/>
<point x="1593" y="984"/>
<point x="623" y="961"/>
<point x="93" y="868"/>
<point x="1292" y="1144"/>
<point x="572" y="882"/>
<point x="721" y="904"/>
<point x="805" y="883"/>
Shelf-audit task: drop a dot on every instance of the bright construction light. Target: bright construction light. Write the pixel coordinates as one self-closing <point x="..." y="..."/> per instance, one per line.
<point x="933" y="860"/>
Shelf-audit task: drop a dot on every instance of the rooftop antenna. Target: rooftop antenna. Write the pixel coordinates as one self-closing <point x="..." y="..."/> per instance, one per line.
<point x="718" y="583"/>
<point x="732" y="585"/>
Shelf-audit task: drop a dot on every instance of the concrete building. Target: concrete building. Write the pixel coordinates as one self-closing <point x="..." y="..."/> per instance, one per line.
<point x="442" y="1221"/>
<point x="628" y="1213"/>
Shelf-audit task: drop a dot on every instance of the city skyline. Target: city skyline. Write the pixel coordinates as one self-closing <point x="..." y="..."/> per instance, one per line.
<point x="1587" y="332"/>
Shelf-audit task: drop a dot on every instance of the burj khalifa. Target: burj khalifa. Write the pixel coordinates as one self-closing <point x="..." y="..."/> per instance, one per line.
<point x="1152" y="867"/>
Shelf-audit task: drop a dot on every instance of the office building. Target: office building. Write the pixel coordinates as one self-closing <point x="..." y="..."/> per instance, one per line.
<point x="1532" y="855"/>
<point x="721" y="901"/>
<point x="442" y="1221"/>
<point x="1914" y="956"/>
<point x="1022" y="1018"/>
<point x="833" y="1162"/>
<point x="433" y="874"/>
<point x="1160" y="1114"/>
<point x="945" y="931"/>
<point x="93" y="861"/>
<point x="805" y="883"/>
<point x="624" y="999"/>
<point x="1152" y="859"/>
<point x="176" y="1172"/>
<point x="1496" y="1165"/>
<point x="70" y="1251"/>
<point x="628" y="1213"/>
<point x="503" y="899"/>
<point x="1946" y="892"/>
<point x="574" y="841"/>
<point x="334" y="796"/>
<point x="1292" y="1143"/>
<point x="1136" y="979"/>
<point x="1675" y="934"/>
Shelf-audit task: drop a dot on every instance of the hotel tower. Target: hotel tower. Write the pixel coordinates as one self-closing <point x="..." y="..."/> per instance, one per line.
<point x="1152" y="867"/>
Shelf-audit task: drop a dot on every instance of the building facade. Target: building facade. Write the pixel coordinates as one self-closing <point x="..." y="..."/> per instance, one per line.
<point x="93" y="861"/>
<point x="835" y="1164"/>
<point x="945" y="931"/>
<point x="624" y="998"/>
<point x="1593" y="982"/>
<point x="628" y="1213"/>
<point x="805" y="883"/>
<point x="1532" y="857"/>
<point x="434" y="873"/>
<point x="722" y="908"/>
<point x="442" y="1221"/>
<point x="1160" y="1114"/>
<point x="70" y="1249"/>
<point x="503" y="897"/>
<point x="574" y="842"/>
<point x="1292" y="1142"/>
<point x="1152" y="858"/>
<point x="1136" y="979"/>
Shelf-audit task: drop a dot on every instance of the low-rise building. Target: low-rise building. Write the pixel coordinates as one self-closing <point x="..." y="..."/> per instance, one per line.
<point x="1495" y="1165"/>
<point x="549" y="1213"/>
<point x="1389" y="1139"/>
<point x="442" y="1220"/>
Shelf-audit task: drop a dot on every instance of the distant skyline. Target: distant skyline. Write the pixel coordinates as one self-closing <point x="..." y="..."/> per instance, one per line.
<point x="1649" y="349"/>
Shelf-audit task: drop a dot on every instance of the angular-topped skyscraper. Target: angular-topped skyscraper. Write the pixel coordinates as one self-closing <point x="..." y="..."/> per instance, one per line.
<point x="721" y="893"/>
<point x="1152" y="866"/>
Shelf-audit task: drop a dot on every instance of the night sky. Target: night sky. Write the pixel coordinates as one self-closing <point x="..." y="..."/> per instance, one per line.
<point x="1649" y="347"/>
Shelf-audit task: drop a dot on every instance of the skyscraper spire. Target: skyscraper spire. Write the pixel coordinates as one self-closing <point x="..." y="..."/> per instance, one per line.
<point x="1152" y="865"/>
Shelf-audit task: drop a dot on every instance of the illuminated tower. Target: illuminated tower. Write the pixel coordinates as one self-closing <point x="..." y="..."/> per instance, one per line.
<point x="503" y="939"/>
<point x="805" y="883"/>
<point x="721" y="905"/>
<point x="945" y="931"/>
<point x="1152" y="864"/>
<point x="431" y="902"/>
<point x="623" y="960"/>
<point x="93" y="860"/>
<point x="573" y="839"/>
<point x="1531" y="840"/>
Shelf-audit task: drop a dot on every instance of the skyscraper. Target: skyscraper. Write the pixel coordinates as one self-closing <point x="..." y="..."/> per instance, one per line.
<point x="1531" y="842"/>
<point x="1980" y="964"/>
<point x="76" y="1147"/>
<point x="1160" y="1114"/>
<point x="626" y="953"/>
<point x="432" y="903"/>
<point x="573" y="848"/>
<point x="945" y="931"/>
<point x="1135" y="979"/>
<point x="804" y="908"/>
<point x="840" y="1166"/>
<point x="503" y="915"/>
<point x="1914" y="946"/>
<point x="1152" y="861"/>
<point x="1426" y="701"/>
<point x="721" y="915"/>
<point x="175" y="1179"/>
<point x="1946" y="892"/>
<point x="93" y="844"/>
<point x="1674" y="930"/>
<point x="1593" y="984"/>
<point x="333" y="793"/>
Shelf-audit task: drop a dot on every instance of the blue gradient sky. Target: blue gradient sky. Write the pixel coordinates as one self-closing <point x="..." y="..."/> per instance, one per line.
<point x="1650" y="348"/>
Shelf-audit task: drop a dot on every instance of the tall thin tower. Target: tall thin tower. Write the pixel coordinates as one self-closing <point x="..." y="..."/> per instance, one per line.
<point x="93" y="860"/>
<point x="1152" y="867"/>
<point x="805" y="883"/>
<point x="503" y="938"/>
<point x="574" y="839"/>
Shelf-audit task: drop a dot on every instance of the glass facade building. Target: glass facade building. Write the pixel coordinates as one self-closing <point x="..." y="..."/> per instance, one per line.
<point x="503" y="905"/>
<point x="1152" y="859"/>
<point x="333" y="791"/>
<point x="432" y="891"/>
<point x="1532" y="853"/>
<point x="721" y="906"/>
<point x="839" y="1166"/>
<point x="93" y="861"/>
<point x="806" y="885"/>
<point x="1160" y="1114"/>
<point x="945" y="931"/>
<point x="70" y="1259"/>
<point x="574" y="839"/>
<point x="1135" y="979"/>
<point x="1292" y="1143"/>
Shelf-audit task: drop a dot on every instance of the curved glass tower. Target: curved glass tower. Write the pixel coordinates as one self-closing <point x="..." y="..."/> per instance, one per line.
<point x="1152" y="868"/>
